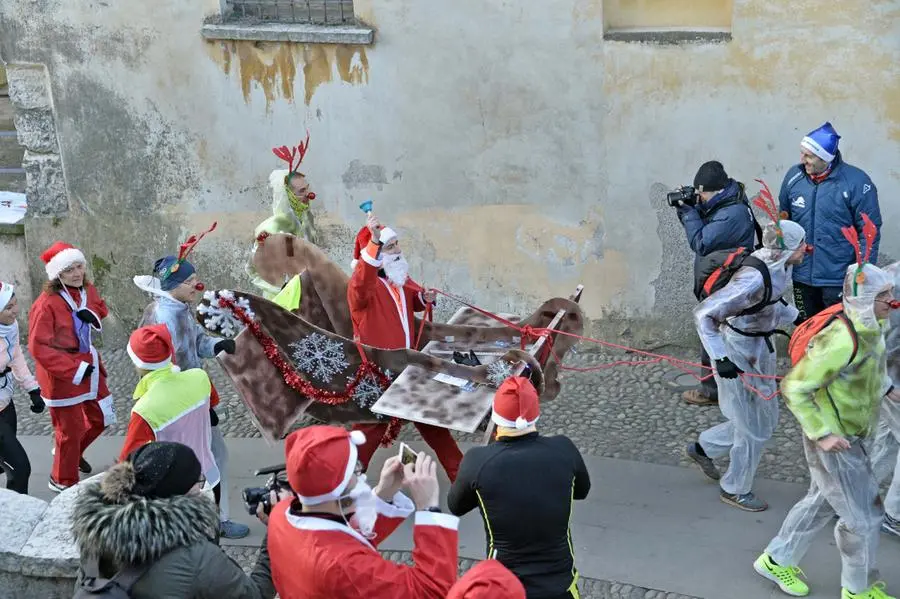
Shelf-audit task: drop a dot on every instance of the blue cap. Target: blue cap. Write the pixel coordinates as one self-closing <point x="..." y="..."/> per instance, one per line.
<point x="171" y="279"/>
<point x="823" y="142"/>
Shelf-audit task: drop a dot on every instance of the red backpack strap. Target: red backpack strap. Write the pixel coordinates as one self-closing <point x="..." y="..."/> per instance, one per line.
<point x="843" y="318"/>
<point x="717" y="274"/>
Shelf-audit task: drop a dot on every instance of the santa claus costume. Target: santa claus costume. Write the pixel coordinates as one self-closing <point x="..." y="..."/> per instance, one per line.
<point x="69" y="370"/>
<point x="383" y="316"/>
<point x="319" y="555"/>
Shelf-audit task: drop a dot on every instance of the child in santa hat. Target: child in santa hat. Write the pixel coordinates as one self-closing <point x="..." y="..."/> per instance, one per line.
<point x="71" y="374"/>
<point x="13" y="458"/>
<point x="172" y="404"/>
<point x="488" y="580"/>
<point x="177" y="287"/>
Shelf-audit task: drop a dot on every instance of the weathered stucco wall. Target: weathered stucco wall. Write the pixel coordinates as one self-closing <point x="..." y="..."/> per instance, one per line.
<point x="518" y="152"/>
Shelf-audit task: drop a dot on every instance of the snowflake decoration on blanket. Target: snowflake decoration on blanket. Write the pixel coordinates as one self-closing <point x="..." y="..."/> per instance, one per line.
<point x="219" y="318"/>
<point x="499" y="371"/>
<point x="319" y="356"/>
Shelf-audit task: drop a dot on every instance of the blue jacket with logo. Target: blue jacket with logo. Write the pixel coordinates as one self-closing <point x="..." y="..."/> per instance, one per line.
<point x="822" y="209"/>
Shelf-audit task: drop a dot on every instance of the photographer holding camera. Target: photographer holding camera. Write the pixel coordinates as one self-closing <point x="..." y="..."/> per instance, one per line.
<point x="323" y="542"/>
<point x="716" y="215"/>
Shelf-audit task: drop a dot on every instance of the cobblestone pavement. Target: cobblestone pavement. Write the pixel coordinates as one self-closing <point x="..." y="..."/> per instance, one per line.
<point x="589" y="588"/>
<point x="623" y="412"/>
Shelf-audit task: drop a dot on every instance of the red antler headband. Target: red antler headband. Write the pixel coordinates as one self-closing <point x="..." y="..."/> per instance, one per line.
<point x="186" y="248"/>
<point x="289" y="154"/>
<point x="766" y="202"/>
<point x="870" y="232"/>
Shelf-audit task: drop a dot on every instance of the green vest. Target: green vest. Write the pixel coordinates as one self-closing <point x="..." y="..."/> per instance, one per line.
<point x="169" y="395"/>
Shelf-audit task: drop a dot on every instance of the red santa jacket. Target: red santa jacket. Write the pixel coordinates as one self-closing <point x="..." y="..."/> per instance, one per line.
<point x="382" y="314"/>
<point x="317" y="558"/>
<point x="59" y="366"/>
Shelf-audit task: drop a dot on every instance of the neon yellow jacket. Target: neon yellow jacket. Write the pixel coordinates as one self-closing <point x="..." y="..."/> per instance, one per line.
<point x="828" y="396"/>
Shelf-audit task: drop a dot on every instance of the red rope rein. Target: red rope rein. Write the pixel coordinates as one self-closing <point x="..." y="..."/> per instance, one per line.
<point x="529" y="333"/>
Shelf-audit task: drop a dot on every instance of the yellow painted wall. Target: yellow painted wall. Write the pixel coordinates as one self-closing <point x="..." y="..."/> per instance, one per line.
<point x="640" y="14"/>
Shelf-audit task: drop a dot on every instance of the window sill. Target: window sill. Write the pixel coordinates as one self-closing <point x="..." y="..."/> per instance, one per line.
<point x="669" y="36"/>
<point x="290" y="32"/>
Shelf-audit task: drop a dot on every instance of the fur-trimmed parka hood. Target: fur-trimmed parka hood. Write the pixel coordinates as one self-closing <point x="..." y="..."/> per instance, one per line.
<point x="119" y="528"/>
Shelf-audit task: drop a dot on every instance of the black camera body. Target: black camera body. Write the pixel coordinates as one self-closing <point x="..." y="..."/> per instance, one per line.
<point x="683" y="195"/>
<point x="254" y="497"/>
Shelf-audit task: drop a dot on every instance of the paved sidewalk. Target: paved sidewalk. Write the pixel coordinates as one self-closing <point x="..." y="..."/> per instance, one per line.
<point x="646" y="525"/>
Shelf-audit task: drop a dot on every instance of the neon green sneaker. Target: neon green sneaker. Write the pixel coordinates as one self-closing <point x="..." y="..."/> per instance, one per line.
<point x="876" y="591"/>
<point x="786" y="577"/>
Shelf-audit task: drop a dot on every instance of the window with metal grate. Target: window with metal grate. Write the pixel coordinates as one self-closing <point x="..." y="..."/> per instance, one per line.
<point x="317" y="12"/>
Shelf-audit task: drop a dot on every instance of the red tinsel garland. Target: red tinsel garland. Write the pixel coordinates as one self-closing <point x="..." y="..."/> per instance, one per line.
<point x="289" y="374"/>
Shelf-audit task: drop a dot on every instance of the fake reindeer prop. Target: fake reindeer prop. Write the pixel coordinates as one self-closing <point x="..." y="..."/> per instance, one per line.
<point x="288" y="364"/>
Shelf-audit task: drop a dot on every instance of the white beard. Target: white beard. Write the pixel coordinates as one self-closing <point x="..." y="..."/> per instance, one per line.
<point x="396" y="268"/>
<point x="365" y="508"/>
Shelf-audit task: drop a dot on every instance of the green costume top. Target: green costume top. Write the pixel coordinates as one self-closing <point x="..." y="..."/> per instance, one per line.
<point x="291" y="216"/>
<point x="828" y="396"/>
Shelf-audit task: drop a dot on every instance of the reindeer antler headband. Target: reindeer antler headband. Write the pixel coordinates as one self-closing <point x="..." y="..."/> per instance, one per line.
<point x="186" y="248"/>
<point x="290" y="154"/>
<point x="870" y="231"/>
<point x="766" y="202"/>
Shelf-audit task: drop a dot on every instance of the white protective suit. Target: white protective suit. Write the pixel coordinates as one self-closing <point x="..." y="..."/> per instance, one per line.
<point x="886" y="446"/>
<point x="842" y="482"/>
<point x="751" y="419"/>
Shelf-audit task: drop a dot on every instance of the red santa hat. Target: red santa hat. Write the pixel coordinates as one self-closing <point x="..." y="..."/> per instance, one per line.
<point x="362" y="240"/>
<point x="59" y="257"/>
<point x="488" y="580"/>
<point x="151" y="347"/>
<point x="364" y="236"/>
<point x="320" y="461"/>
<point x="516" y="404"/>
<point x="6" y="293"/>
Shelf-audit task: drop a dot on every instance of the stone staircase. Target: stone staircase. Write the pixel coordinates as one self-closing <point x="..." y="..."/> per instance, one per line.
<point x="13" y="255"/>
<point x="12" y="176"/>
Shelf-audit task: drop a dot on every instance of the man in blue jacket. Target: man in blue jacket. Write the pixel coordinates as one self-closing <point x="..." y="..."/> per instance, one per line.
<point x="717" y="218"/>
<point x="823" y="194"/>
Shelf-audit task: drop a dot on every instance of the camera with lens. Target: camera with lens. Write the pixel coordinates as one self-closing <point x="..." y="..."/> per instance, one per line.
<point x="256" y="497"/>
<point x="683" y="195"/>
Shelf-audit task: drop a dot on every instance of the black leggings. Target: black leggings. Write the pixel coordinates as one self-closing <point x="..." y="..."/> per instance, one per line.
<point x="13" y="458"/>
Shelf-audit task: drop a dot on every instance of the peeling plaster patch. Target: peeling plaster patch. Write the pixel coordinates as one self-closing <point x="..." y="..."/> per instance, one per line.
<point x="362" y="175"/>
<point x="273" y="66"/>
<point x="122" y="160"/>
<point x="672" y="288"/>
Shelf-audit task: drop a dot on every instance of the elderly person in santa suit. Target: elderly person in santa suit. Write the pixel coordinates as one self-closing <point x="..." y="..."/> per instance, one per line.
<point x="382" y="301"/>
<point x="69" y="371"/>
<point x="322" y="543"/>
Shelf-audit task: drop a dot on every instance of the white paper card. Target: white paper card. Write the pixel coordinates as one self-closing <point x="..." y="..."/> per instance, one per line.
<point x="450" y="380"/>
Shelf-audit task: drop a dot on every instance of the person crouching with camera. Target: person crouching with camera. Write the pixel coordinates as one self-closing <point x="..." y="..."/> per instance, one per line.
<point x="323" y="543"/>
<point x="716" y="215"/>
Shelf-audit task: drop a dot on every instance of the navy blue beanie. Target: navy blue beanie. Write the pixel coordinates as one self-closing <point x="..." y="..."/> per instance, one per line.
<point x="182" y="274"/>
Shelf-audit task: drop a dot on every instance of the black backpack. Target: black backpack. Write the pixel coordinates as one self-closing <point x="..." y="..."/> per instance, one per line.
<point x="714" y="270"/>
<point x="92" y="584"/>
